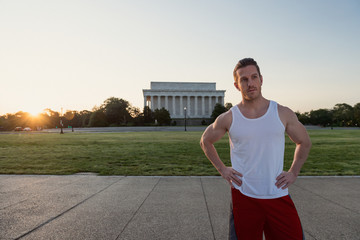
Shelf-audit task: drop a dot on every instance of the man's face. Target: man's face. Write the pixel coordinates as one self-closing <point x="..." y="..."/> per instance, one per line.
<point x="248" y="82"/>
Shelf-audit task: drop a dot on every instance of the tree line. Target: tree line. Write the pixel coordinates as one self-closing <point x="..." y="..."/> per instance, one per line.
<point x="341" y="115"/>
<point x="114" y="112"/>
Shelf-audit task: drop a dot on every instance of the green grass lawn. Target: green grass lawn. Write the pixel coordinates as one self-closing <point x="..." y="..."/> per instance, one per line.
<point x="334" y="152"/>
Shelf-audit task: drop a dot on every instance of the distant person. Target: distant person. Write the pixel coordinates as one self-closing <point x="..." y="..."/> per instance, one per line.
<point x="259" y="186"/>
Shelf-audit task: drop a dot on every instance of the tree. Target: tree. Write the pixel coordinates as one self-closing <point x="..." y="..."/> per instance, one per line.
<point x="9" y="122"/>
<point x="98" y="119"/>
<point x="162" y="116"/>
<point x="134" y="112"/>
<point x="218" y="109"/>
<point x="51" y="118"/>
<point x="357" y="114"/>
<point x="321" y="117"/>
<point x="76" y="119"/>
<point x="144" y="118"/>
<point x="2" y="123"/>
<point x="343" y="114"/>
<point x="70" y="115"/>
<point x="117" y="111"/>
<point x="148" y="115"/>
<point x="304" y="118"/>
<point x="228" y="106"/>
<point x="85" y="118"/>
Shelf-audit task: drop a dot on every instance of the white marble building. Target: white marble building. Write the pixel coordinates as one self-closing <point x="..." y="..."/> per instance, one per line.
<point x="198" y="98"/>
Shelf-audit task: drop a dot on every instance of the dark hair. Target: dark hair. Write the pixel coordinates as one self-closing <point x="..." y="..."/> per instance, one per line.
<point x="246" y="62"/>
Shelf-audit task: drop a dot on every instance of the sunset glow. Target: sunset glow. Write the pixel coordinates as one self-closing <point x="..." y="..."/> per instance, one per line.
<point x="34" y="113"/>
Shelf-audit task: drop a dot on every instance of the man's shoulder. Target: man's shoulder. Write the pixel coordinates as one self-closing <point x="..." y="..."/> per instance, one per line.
<point x="226" y="116"/>
<point x="224" y="120"/>
<point x="286" y="114"/>
<point x="284" y="110"/>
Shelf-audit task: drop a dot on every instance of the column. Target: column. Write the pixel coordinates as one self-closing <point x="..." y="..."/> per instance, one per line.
<point x="159" y="102"/>
<point x="188" y="105"/>
<point x="196" y="106"/>
<point x="145" y="99"/>
<point x="203" y="105"/>
<point x="167" y="102"/>
<point x="173" y="103"/>
<point x="217" y="99"/>
<point x="181" y="106"/>
<point x="152" y="103"/>
<point x="210" y="107"/>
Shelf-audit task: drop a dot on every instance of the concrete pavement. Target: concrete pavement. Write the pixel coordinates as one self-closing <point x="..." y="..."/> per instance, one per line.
<point x="86" y="206"/>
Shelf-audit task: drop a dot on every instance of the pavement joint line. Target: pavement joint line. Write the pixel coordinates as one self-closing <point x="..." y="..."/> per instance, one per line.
<point x="207" y="208"/>
<point x="310" y="234"/>
<point x="13" y="204"/>
<point x="329" y="200"/>
<point x="66" y="211"/>
<point x="137" y="210"/>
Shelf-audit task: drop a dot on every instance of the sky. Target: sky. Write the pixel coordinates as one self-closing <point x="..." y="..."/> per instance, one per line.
<point x="76" y="54"/>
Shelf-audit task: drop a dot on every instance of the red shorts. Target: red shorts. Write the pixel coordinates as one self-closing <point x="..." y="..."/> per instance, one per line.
<point x="276" y="218"/>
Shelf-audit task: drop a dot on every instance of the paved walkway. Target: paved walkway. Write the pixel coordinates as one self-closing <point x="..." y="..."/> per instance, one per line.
<point x="116" y="207"/>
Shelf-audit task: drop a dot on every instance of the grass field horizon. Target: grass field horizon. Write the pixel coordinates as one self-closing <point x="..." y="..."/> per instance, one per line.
<point x="334" y="152"/>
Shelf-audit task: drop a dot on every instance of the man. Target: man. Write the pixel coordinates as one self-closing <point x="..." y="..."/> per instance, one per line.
<point x="259" y="186"/>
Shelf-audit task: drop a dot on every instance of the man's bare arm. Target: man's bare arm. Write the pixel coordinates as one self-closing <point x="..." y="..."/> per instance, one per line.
<point x="212" y="134"/>
<point x="298" y="134"/>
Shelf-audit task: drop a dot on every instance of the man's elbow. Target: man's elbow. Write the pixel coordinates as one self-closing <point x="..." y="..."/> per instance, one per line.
<point x="306" y="144"/>
<point x="303" y="142"/>
<point x="204" y="143"/>
<point x="201" y="143"/>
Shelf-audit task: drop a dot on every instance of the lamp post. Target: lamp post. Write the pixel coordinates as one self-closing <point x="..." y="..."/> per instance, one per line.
<point x="185" y="117"/>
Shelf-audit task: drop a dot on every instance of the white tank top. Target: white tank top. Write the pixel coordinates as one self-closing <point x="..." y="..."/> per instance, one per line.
<point x="257" y="151"/>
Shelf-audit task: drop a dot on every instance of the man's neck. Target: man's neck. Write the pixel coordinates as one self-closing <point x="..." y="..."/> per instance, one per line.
<point x="254" y="109"/>
<point x="257" y="103"/>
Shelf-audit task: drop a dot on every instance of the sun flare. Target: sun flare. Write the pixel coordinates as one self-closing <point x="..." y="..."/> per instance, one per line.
<point x="34" y="112"/>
